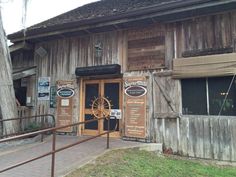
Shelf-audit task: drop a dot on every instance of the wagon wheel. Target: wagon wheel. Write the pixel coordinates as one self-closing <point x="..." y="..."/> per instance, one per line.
<point x="101" y="107"/>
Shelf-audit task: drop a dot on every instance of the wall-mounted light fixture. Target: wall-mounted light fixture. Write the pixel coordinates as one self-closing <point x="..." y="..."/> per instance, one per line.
<point x="98" y="49"/>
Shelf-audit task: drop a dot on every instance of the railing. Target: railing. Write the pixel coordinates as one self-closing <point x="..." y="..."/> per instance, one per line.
<point x="23" y="126"/>
<point x="54" y="150"/>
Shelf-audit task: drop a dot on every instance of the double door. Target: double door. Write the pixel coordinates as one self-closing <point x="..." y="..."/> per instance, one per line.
<point x="94" y="106"/>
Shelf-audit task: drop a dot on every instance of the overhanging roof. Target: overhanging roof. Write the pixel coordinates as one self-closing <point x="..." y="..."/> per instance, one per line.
<point x="113" y="18"/>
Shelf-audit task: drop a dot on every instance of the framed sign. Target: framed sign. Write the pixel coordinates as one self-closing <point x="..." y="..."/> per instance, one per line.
<point x="44" y="88"/>
<point x="115" y="113"/>
<point x="135" y="90"/>
<point x="65" y="93"/>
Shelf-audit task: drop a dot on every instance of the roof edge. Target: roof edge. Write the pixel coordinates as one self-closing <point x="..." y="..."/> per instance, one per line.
<point x="145" y="11"/>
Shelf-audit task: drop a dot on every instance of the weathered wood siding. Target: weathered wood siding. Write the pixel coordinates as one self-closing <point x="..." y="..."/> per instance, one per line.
<point x="64" y="55"/>
<point x="146" y="48"/>
<point x="196" y="136"/>
<point x="209" y="137"/>
<point x="208" y="32"/>
<point x="22" y="59"/>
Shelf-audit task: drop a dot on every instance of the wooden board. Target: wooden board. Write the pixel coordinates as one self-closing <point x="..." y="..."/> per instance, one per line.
<point x="135" y="109"/>
<point x="146" y="48"/>
<point x="64" y="107"/>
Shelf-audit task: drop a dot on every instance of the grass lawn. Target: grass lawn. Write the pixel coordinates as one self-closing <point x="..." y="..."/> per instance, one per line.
<point x="136" y="163"/>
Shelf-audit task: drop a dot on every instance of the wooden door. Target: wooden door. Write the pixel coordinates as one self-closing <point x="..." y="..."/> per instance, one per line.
<point x="110" y="89"/>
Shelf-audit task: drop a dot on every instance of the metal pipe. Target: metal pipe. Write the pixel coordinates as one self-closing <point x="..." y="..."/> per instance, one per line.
<point x="30" y="117"/>
<point x="25" y="162"/>
<point x="54" y="150"/>
<point x="53" y="153"/>
<point x="108" y="129"/>
<point x="47" y="130"/>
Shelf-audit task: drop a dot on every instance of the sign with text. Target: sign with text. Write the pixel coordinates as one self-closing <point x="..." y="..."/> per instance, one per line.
<point x="135" y="89"/>
<point x="44" y="88"/>
<point x="65" y="93"/>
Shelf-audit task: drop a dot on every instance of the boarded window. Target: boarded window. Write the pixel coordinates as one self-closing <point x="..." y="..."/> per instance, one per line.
<point x="209" y="96"/>
<point x="146" y="48"/>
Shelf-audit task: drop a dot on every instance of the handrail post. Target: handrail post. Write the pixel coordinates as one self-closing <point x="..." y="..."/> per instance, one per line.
<point x="20" y="126"/>
<point x="53" y="153"/>
<point x="42" y="126"/>
<point x="108" y="132"/>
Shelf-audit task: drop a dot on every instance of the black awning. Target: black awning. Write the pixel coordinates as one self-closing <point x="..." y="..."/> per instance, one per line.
<point x="98" y="70"/>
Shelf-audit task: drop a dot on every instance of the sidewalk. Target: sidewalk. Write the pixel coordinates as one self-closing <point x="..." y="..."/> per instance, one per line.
<point x="66" y="160"/>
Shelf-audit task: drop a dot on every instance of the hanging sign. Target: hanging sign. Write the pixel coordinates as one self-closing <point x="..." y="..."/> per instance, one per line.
<point x="135" y="89"/>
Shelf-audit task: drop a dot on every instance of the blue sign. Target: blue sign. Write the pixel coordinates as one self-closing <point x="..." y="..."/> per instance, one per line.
<point x="65" y="92"/>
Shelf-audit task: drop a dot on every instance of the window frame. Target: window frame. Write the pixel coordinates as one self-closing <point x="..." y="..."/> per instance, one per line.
<point x="207" y="97"/>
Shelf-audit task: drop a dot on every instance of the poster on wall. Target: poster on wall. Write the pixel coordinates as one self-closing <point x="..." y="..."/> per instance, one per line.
<point x="135" y="91"/>
<point x="65" y="93"/>
<point x="44" y="88"/>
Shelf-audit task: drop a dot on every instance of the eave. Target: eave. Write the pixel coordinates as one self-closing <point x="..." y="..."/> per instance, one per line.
<point x="163" y="14"/>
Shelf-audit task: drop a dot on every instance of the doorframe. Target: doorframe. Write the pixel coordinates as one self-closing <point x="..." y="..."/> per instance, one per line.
<point x="102" y="81"/>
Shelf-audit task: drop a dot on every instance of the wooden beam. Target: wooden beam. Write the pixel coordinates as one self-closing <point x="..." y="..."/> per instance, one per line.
<point x="166" y="115"/>
<point x="23" y="45"/>
<point x="24" y="73"/>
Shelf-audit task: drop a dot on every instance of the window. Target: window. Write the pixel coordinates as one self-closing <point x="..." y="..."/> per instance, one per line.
<point x="206" y="96"/>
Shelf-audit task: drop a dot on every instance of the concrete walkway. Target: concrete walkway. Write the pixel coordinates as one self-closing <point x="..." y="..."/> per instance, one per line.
<point x="66" y="160"/>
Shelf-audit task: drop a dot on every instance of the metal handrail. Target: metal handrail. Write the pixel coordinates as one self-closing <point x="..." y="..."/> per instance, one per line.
<point x="42" y="117"/>
<point x="54" y="150"/>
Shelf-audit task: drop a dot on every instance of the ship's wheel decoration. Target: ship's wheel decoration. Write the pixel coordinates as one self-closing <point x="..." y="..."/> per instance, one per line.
<point x="101" y="107"/>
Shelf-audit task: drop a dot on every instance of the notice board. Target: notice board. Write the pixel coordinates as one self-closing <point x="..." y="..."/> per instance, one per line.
<point x="135" y="95"/>
<point x="65" y="94"/>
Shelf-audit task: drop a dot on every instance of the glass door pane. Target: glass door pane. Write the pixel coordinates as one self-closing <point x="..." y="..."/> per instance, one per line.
<point x="91" y="92"/>
<point x="112" y="93"/>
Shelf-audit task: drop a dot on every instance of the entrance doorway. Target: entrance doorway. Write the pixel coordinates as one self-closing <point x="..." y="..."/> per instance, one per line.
<point x="92" y="90"/>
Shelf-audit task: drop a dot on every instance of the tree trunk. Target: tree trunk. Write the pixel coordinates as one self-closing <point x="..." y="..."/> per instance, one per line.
<point x="7" y="96"/>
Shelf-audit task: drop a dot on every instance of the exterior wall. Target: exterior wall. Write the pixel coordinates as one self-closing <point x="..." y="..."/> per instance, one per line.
<point x="64" y="55"/>
<point x="210" y="137"/>
<point x="216" y="31"/>
<point x="22" y="59"/>
<point x="196" y="136"/>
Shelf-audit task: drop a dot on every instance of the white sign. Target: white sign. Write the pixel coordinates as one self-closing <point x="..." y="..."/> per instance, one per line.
<point x="43" y="88"/>
<point x="115" y="113"/>
<point x="65" y="102"/>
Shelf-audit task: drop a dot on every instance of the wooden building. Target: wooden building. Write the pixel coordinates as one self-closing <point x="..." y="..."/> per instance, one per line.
<point x="167" y="67"/>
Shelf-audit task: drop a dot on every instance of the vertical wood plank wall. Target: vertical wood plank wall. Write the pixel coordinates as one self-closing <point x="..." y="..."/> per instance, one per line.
<point x="196" y="136"/>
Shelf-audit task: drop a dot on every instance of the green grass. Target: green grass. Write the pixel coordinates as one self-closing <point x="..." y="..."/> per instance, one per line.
<point x="135" y="163"/>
